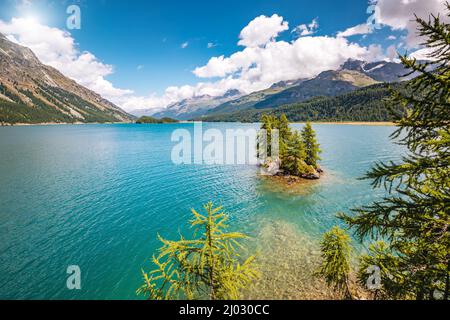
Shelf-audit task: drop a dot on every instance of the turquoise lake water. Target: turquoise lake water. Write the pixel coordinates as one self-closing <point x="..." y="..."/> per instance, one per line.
<point x="97" y="195"/>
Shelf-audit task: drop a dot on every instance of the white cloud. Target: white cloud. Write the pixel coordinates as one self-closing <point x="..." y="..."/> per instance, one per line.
<point x="57" y="48"/>
<point x="356" y="30"/>
<point x="211" y="45"/>
<point x="399" y="15"/>
<point x="392" y="37"/>
<point x="259" y="67"/>
<point x="392" y="53"/>
<point x="262" y="30"/>
<point x="184" y="45"/>
<point x="265" y="60"/>
<point x="306" y="30"/>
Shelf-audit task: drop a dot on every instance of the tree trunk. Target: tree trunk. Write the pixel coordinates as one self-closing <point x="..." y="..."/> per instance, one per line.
<point x="348" y="294"/>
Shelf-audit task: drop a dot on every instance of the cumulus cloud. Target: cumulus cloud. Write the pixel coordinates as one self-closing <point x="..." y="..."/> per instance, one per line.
<point x="257" y="67"/>
<point x="57" y="48"/>
<point x="306" y="29"/>
<point x="399" y="15"/>
<point x="266" y="60"/>
<point x="356" y="30"/>
<point x="392" y="53"/>
<point x="262" y="30"/>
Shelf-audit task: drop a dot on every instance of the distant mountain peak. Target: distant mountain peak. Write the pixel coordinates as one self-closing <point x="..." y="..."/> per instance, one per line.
<point x="197" y="105"/>
<point x="286" y="84"/>
<point x="381" y="71"/>
<point x="353" y="64"/>
<point x="232" y="93"/>
<point x="350" y="76"/>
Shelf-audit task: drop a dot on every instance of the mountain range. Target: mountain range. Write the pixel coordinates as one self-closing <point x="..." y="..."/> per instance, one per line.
<point x="370" y="103"/>
<point x="32" y="92"/>
<point x="197" y="106"/>
<point x="351" y="76"/>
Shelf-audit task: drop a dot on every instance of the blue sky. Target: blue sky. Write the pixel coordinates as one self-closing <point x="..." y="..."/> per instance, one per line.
<point x="142" y="40"/>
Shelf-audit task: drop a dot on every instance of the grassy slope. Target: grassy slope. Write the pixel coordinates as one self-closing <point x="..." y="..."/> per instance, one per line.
<point x="16" y="111"/>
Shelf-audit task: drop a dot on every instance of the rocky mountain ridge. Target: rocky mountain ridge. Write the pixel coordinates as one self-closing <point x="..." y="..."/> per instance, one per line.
<point x="31" y="92"/>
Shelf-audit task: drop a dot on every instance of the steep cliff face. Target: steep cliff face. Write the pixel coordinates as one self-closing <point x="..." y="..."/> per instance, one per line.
<point x="31" y="92"/>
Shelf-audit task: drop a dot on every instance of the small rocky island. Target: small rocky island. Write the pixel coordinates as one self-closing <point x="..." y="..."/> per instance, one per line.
<point x="298" y="154"/>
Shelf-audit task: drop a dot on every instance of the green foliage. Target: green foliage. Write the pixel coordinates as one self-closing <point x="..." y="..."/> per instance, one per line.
<point x="270" y="123"/>
<point x="152" y="120"/>
<point x="335" y="268"/>
<point x="298" y="152"/>
<point x="206" y="267"/>
<point x="381" y="256"/>
<point x="366" y="104"/>
<point x="312" y="148"/>
<point x="414" y="218"/>
<point x="293" y="162"/>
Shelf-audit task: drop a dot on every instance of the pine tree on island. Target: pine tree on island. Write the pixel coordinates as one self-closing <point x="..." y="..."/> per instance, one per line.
<point x="298" y="152"/>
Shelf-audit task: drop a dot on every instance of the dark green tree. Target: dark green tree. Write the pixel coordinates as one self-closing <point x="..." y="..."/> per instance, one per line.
<point x="414" y="217"/>
<point x="285" y="134"/>
<point x="294" y="159"/>
<point x="312" y="147"/>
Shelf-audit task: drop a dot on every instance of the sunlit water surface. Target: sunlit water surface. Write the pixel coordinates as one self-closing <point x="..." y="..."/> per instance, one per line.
<point x="96" y="196"/>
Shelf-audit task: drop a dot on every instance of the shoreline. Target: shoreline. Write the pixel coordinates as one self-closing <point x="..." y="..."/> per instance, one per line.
<point x="353" y="123"/>
<point x="345" y="123"/>
<point x="57" y="124"/>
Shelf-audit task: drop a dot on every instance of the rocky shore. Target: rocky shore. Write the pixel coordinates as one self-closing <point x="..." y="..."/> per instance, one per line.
<point x="273" y="169"/>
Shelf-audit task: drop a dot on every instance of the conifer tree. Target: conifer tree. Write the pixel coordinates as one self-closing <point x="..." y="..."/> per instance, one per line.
<point x="335" y="268"/>
<point x="414" y="218"/>
<point x="269" y="123"/>
<point x="285" y="134"/>
<point x="294" y="159"/>
<point x="206" y="267"/>
<point x="312" y="147"/>
<point x="293" y="150"/>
